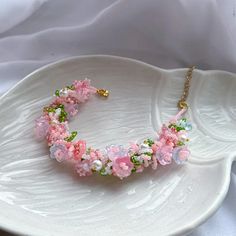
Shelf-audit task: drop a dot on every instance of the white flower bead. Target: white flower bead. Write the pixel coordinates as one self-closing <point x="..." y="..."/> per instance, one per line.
<point x="144" y="148"/>
<point x="64" y="92"/>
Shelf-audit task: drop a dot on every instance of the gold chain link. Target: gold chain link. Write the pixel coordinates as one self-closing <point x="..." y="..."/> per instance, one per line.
<point x="182" y="102"/>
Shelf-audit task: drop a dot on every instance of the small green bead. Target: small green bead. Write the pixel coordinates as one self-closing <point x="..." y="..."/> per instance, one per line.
<point x="61" y="118"/>
<point x="172" y="126"/>
<point x="51" y="109"/>
<point x="148" y="154"/>
<point x="71" y="87"/>
<point x="178" y="128"/>
<point x="134" y="160"/>
<point x="64" y="113"/>
<point x="103" y="171"/>
<point x="57" y="93"/>
<point x="150" y="142"/>
<point x="60" y="106"/>
<point x="180" y="143"/>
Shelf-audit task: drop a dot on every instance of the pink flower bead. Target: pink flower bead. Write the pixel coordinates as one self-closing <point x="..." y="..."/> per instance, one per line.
<point x="122" y="166"/>
<point x="168" y="136"/>
<point x="71" y="149"/>
<point x="64" y="100"/>
<point x="97" y="155"/>
<point x="57" y="132"/>
<point x="146" y="160"/>
<point x="157" y="145"/>
<point x="164" y="155"/>
<point x="121" y="163"/>
<point x="134" y="148"/>
<point x="83" y="168"/>
<point x="154" y="162"/>
<point x="80" y="149"/>
<point x="100" y="155"/>
<point x="83" y="89"/>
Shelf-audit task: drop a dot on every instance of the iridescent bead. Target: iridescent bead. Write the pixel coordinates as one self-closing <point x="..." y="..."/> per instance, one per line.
<point x="180" y="154"/>
<point x="114" y="151"/>
<point x="185" y="124"/>
<point x="41" y="127"/>
<point x="164" y="155"/>
<point x="188" y="126"/>
<point x="59" y="152"/>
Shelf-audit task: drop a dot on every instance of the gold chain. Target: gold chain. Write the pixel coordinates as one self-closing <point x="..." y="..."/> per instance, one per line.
<point x="182" y="102"/>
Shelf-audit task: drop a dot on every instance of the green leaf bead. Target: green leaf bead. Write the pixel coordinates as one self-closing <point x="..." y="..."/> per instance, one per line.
<point x="60" y="106"/>
<point x="72" y="136"/>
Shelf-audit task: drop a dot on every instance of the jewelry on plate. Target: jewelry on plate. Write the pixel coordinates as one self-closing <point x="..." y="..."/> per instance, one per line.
<point x="117" y="160"/>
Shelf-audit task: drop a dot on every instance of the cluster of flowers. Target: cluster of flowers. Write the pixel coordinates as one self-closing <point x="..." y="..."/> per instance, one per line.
<point x="113" y="160"/>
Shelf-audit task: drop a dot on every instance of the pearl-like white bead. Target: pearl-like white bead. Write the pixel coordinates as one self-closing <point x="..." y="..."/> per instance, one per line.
<point x="97" y="165"/>
<point x="58" y="111"/>
<point x="144" y="148"/>
<point x="144" y="145"/>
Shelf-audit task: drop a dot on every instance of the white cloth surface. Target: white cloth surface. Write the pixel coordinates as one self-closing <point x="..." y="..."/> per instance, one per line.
<point x="165" y="33"/>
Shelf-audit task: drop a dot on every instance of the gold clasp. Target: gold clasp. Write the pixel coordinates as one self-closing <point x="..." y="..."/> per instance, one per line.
<point x="103" y="92"/>
<point x="182" y="105"/>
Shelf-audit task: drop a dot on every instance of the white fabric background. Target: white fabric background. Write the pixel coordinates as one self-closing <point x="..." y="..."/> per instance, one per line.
<point x="165" y="33"/>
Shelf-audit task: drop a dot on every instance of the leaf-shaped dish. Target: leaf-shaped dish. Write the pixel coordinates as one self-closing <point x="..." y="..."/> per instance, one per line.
<point x="41" y="197"/>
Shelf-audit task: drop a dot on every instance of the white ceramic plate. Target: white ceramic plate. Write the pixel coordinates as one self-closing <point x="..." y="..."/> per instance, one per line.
<point x="41" y="197"/>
